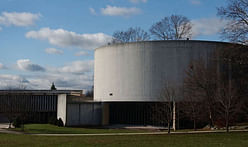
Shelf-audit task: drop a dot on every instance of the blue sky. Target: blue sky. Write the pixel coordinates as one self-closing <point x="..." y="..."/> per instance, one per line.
<point x="45" y="41"/>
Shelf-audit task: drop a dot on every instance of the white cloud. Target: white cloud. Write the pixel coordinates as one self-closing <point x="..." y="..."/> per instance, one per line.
<point x="61" y="81"/>
<point x="10" y="77"/>
<point x="120" y="11"/>
<point x="27" y="65"/>
<point x="93" y="11"/>
<point x="0" y="29"/>
<point x="82" y="53"/>
<point x="78" y="67"/>
<point x="74" y="75"/>
<point x="195" y="2"/>
<point x="18" y="19"/>
<point x="53" y="51"/>
<point x="138" y="1"/>
<point x="207" y="26"/>
<point x="2" y="66"/>
<point x="75" y="81"/>
<point x="8" y="81"/>
<point x="64" y="38"/>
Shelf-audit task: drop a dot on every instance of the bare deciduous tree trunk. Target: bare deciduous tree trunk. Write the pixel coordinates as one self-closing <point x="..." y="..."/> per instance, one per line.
<point x="168" y="95"/>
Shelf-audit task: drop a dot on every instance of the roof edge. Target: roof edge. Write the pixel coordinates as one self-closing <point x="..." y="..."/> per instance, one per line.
<point x="153" y="41"/>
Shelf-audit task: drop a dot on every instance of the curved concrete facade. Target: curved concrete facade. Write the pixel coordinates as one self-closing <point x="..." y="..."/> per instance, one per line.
<point x="138" y="71"/>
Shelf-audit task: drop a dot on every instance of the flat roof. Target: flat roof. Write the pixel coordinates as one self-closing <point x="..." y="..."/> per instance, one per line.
<point x="43" y="92"/>
<point x="168" y="41"/>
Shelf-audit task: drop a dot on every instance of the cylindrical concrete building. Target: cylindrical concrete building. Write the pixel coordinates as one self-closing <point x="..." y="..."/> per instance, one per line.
<point x="137" y="72"/>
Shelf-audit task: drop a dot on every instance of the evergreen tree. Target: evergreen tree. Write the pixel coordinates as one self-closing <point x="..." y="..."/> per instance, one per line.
<point x="53" y="87"/>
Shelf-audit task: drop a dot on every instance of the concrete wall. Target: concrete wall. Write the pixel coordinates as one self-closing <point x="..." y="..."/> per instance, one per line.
<point x="84" y="114"/>
<point x="28" y="102"/>
<point x="61" y="107"/>
<point x="3" y="119"/>
<point x="138" y="71"/>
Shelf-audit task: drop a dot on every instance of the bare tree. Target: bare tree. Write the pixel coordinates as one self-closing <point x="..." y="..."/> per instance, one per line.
<point x="174" y="27"/>
<point x="236" y="12"/>
<point x="232" y="83"/>
<point x="163" y="110"/>
<point x="221" y="82"/>
<point x="229" y="103"/>
<point x="9" y="102"/>
<point x="13" y="106"/>
<point x="169" y="94"/>
<point x="192" y="107"/>
<point x="7" y="106"/>
<point x="130" y="35"/>
<point x="201" y="81"/>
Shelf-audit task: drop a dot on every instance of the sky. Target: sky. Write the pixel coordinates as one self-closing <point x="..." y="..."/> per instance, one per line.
<point x="45" y="41"/>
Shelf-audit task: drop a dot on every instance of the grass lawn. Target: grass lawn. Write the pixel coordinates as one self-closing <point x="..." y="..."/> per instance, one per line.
<point x="51" y="129"/>
<point x="176" y="140"/>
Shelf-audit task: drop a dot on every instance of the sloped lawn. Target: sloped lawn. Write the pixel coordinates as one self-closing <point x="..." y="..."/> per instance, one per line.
<point x="52" y="129"/>
<point x="175" y="140"/>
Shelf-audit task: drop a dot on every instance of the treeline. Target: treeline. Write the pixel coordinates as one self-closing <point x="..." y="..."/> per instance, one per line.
<point x="173" y="27"/>
<point x="176" y="27"/>
<point x="216" y="91"/>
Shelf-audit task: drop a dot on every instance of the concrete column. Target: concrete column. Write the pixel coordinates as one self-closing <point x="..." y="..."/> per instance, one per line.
<point x="105" y="114"/>
<point x="174" y="116"/>
<point x="61" y="107"/>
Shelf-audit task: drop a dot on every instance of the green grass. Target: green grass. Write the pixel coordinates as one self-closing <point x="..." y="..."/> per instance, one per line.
<point x="51" y="129"/>
<point x="176" y="140"/>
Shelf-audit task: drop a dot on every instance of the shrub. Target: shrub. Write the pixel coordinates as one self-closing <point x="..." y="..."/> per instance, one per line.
<point x="53" y="121"/>
<point x="60" y="123"/>
<point x="17" y="122"/>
